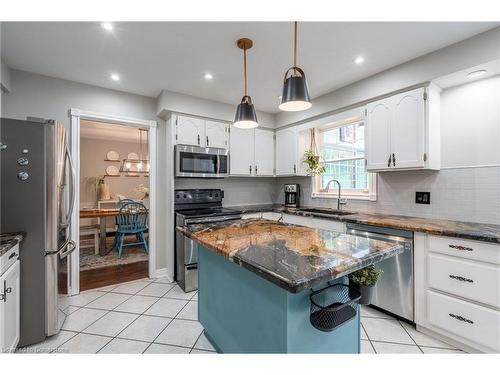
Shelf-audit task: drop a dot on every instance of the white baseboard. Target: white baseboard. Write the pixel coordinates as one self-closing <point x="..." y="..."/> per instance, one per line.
<point x="162" y="272"/>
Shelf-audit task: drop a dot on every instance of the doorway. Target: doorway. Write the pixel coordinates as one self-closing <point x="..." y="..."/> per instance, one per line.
<point x="116" y="172"/>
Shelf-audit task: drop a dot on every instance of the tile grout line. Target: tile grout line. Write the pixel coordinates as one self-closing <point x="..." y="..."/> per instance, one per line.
<point x="412" y="339"/>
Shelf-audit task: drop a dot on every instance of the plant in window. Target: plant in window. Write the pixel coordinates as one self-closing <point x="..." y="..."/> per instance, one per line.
<point x="312" y="159"/>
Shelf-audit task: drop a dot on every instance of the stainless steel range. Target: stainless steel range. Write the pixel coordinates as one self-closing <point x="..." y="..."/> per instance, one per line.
<point x="195" y="206"/>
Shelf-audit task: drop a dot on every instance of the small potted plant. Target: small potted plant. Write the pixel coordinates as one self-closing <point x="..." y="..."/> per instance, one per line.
<point x="101" y="188"/>
<point x="364" y="280"/>
<point x="312" y="159"/>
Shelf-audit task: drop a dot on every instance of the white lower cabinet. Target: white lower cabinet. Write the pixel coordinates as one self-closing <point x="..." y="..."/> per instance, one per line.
<point x="9" y="308"/>
<point x="457" y="291"/>
<point x="326" y="224"/>
<point x="275" y="216"/>
<point x="474" y="323"/>
<point x="297" y="220"/>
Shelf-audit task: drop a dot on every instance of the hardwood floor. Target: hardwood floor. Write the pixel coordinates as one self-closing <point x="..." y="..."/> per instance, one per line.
<point x="113" y="274"/>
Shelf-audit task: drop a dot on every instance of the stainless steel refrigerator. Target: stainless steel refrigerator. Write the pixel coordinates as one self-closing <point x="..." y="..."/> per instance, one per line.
<point x="37" y="197"/>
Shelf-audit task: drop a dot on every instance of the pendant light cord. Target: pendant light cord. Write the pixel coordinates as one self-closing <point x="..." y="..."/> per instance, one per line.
<point x="245" y="68"/>
<point x="295" y="48"/>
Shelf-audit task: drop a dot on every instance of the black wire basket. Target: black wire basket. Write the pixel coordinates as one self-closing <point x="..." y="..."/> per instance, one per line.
<point x="333" y="306"/>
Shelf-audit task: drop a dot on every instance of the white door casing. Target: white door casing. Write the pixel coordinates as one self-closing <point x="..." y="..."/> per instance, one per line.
<point x="75" y="116"/>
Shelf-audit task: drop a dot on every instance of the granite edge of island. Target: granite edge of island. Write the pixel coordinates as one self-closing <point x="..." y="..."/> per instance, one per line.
<point x="298" y="285"/>
<point x="449" y="228"/>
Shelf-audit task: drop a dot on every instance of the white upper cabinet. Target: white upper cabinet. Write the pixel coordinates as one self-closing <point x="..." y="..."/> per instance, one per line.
<point x="378" y="134"/>
<point x="251" y="152"/>
<point x="286" y="152"/>
<point x="241" y="152"/>
<point x="403" y="131"/>
<point x="199" y="132"/>
<point x="216" y="134"/>
<point x="264" y="153"/>
<point x="407" y="131"/>
<point x="190" y="131"/>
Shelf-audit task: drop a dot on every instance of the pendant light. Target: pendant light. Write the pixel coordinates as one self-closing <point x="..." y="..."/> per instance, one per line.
<point x="245" y="118"/>
<point x="137" y="165"/>
<point x="295" y="95"/>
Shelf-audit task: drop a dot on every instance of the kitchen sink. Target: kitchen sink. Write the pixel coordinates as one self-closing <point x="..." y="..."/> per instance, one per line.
<point x="328" y="212"/>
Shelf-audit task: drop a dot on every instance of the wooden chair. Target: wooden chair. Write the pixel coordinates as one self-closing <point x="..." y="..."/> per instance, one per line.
<point x="90" y="230"/>
<point x="132" y="219"/>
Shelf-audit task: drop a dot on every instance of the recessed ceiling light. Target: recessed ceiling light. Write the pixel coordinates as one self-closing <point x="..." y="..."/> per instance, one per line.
<point x="358" y="60"/>
<point x="108" y="26"/>
<point x="208" y="76"/>
<point x="477" y="73"/>
<point x="115" y="77"/>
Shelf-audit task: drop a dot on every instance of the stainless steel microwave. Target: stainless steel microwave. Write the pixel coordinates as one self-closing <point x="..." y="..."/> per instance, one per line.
<point x="206" y="162"/>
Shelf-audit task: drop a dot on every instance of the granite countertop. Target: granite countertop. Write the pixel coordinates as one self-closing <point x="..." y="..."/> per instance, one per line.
<point x="291" y="256"/>
<point x="450" y="228"/>
<point x="9" y="240"/>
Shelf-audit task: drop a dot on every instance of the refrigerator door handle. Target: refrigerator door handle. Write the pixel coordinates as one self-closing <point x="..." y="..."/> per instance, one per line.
<point x="68" y="247"/>
<point x="72" y="185"/>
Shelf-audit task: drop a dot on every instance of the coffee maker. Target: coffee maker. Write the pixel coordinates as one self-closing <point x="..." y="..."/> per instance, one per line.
<point x="292" y="195"/>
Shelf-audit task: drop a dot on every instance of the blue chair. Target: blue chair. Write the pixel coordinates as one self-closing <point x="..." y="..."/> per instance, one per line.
<point x="132" y="219"/>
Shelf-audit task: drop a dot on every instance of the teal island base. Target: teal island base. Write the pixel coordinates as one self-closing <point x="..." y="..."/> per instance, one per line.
<point x="244" y="313"/>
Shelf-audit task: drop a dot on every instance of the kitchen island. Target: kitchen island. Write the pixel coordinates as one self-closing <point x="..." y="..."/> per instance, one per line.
<point x="256" y="278"/>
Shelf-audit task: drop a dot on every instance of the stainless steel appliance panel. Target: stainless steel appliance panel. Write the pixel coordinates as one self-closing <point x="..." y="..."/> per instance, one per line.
<point x="23" y="208"/>
<point x="203" y="162"/>
<point x="394" y="291"/>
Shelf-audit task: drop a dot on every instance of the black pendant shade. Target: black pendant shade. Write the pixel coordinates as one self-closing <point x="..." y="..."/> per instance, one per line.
<point x="245" y="117"/>
<point x="295" y="96"/>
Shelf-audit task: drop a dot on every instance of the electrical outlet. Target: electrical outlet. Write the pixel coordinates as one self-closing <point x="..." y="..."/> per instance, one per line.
<point x="423" y="197"/>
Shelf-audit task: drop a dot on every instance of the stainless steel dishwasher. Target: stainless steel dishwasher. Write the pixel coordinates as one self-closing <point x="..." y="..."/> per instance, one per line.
<point x="394" y="292"/>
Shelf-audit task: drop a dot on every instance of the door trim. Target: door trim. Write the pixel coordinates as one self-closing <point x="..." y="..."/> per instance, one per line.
<point x="76" y="115"/>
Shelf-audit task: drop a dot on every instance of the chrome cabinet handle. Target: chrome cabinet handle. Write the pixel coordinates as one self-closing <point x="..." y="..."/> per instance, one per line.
<point x="393" y="160"/>
<point x="461" y="278"/>
<point x="461" y="318"/>
<point x="3" y="296"/>
<point x="207" y="141"/>
<point x="459" y="247"/>
<point x="389" y="161"/>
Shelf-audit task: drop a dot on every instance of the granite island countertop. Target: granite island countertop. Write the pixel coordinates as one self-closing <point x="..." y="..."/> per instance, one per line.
<point x="9" y="240"/>
<point x="440" y="227"/>
<point x="291" y="256"/>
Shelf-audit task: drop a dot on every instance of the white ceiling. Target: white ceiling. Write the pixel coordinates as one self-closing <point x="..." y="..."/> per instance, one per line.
<point x="175" y="55"/>
<point x="110" y="132"/>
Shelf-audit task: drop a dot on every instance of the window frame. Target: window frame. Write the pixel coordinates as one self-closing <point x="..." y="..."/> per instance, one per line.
<point x="369" y="194"/>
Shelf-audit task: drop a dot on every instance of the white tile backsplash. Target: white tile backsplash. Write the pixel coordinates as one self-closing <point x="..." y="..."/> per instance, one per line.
<point x="464" y="194"/>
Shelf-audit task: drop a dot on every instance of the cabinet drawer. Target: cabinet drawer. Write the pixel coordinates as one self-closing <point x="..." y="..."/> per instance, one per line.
<point x="475" y="250"/>
<point x="297" y="220"/>
<point x="474" y="323"/>
<point x="464" y="278"/>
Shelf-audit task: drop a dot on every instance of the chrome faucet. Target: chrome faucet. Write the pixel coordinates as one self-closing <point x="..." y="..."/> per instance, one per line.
<point x="340" y="201"/>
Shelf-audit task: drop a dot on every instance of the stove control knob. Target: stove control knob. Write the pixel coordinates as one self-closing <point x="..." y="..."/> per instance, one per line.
<point x="23" y="161"/>
<point x="23" y="176"/>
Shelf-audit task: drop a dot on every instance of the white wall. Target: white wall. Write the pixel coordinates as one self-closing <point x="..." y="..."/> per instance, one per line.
<point x="169" y="101"/>
<point x="51" y="98"/>
<point x="474" y="51"/>
<point x="470" y="124"/>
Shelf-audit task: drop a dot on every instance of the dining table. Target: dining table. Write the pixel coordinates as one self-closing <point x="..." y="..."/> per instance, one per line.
<point x="102" y="214"/>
